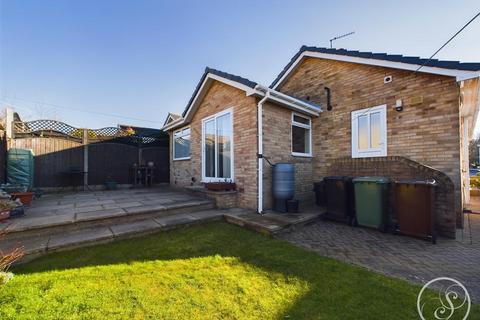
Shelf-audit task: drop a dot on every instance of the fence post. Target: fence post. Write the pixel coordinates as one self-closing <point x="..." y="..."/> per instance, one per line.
<point x="9" y="118"/>
<point x="85" y="159"/>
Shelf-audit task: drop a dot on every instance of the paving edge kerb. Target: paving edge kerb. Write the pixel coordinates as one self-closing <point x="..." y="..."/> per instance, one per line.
<point x="39" y="245"/>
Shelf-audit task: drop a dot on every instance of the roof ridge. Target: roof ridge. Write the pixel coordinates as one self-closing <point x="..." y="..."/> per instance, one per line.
<point x="443" y="64"/>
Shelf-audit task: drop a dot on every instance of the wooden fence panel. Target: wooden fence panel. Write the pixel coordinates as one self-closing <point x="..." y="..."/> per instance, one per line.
<point x="53" y="157"/>
<point x="110" y="161"/>
<point x="161" y="159"/>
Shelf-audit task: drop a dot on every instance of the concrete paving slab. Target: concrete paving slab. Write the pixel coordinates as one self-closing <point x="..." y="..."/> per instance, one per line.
<point x="25" y="223"/>
<point x="125" y="204"/>
<point x="100" y="214"/>
<point x="145" y="209"/>
<point x="177" y="219"/>
<point x="110" y="206"/>
<point x="87" y="209"/>
<point x="28" y="245"/>
<point x="90" y="203"/>
<point x="78" y="237"/>
<point x="208" y="214"/>
<point x="134" y="227"/>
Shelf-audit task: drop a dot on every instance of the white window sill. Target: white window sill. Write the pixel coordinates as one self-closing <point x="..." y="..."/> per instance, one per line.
<point x="207" y="180"/>
<point x="302" y="155"/>
<point x="181" y="159"/>
<point x="368" y="155"/>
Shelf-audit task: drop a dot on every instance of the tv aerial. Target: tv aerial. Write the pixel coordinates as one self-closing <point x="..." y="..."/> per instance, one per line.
<point x="340" y="37"/>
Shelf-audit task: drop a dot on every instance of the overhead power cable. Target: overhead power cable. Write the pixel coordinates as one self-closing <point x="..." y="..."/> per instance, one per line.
<point x="453" y="37"/>
<point x="5" y="100"/>
<point x="435" y="53"/>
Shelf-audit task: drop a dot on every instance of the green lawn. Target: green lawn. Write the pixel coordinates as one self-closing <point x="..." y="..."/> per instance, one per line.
<point x="210" y="271"/>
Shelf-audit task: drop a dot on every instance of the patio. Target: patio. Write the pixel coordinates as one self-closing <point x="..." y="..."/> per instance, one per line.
<point x="399" y="256"/>
<point x="59" y="209"/>
<point x="66" y="220"/>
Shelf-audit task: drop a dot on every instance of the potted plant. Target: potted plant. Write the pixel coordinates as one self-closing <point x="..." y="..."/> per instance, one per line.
<point x="24" y="197"/>
<point x="226" y="185"/>
<point x="110" y="184"/>
<point x="5" y="208"/>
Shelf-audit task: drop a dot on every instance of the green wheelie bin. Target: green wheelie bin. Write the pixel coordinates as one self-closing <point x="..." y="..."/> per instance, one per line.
<point x="371" y="198"/>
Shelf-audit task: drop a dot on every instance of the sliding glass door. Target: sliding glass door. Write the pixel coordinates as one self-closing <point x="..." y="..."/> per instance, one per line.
<point x="217" y="138"/>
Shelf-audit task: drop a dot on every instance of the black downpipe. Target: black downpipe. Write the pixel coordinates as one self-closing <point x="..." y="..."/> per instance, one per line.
<point x="329" y="101"/>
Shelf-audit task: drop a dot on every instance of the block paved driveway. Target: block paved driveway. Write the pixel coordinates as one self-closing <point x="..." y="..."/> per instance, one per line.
<point x="399" y="256"/>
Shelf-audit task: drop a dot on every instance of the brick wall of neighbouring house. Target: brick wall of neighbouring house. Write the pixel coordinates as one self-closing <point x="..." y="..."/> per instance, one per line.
<point x="398" y="168"/>
<point x="277" y="146"/>
<point x="427" y="132"/>
<point x="221" y="97"/>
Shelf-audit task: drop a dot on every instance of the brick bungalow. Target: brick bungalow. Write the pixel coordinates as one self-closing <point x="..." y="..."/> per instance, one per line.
<point x="331" y="112"/>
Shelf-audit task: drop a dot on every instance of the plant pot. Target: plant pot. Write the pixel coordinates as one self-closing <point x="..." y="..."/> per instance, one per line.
<point x="220" y="186"/>
<point x="17" y="212"/>
<point x="111" y="185"/>
<point x="292" y="206"/>
<point x="5" y="214"/>
<point x="25" y="197"/>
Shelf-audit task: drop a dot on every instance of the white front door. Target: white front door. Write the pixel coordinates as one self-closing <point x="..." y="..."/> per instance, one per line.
<point x="217" y="147"/>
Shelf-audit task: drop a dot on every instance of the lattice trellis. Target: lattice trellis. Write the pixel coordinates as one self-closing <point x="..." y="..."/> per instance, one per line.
<point x="44" y="125"/>
<point x="47" y="127"/>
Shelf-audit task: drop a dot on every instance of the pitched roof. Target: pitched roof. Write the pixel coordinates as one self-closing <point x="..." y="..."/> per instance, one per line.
<point x="229" y="76"/>
<point x="174" y="116"/>
<point x="443" y="64"/>
<point x="251" y="88"/>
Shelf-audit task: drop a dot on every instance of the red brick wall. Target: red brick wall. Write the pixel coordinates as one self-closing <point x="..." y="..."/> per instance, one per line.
<point x="397" y="168"/>
<point x="277" y="146"/>
<point x="427" y="132"/>
<point x="221" y="97"/>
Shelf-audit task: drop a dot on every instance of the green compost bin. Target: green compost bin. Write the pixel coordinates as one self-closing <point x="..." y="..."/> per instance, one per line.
<point x="20" y="167"/>
<point x="371" y="197"/>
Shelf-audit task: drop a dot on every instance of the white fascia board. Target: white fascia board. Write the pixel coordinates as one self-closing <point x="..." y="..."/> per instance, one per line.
<point x="295" y="101"/>
<point x="293" y="106"/>
<point x="458" y="74"/>
<point x="286" y="100"/>
<point x="173" y="124"/>
<point x="167" y="121"/>
<point x="209" y="77"/>
<point x="220" y="79"/>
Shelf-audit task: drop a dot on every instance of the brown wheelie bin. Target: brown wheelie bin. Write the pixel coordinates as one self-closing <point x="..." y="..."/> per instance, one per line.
<point x="414" y="208"/>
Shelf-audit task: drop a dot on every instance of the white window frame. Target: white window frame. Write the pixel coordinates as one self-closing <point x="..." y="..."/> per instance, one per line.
<point x="232" y="164"/>
<point x="173" y="142"/>
<point x="301" y="125"/>
<point x="371" y="152"/>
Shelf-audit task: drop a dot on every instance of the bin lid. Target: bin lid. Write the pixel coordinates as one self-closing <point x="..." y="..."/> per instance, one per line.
<point x="342" y="178"/>
<point x="372" y="179"/>
<point x="430" y="182"/>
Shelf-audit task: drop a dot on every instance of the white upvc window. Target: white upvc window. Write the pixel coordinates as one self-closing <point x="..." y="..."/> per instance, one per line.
<point x="301" y="135"/>
<point x="181" y="144"/>
<point x="217" y="147"/>
<point x="369" y="132"/>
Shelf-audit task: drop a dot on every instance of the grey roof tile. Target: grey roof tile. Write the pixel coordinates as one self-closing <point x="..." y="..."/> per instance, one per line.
<point x="219" y="73"/>
<point x="456" y="65"/>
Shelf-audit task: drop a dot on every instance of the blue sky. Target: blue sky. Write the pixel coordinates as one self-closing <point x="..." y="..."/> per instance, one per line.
<point x="142" y="59"/>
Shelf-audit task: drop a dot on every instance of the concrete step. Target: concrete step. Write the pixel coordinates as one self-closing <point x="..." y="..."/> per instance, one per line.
<point x="271" y="223"/>
<point x="39" y="244"/>
<point x="31" y="227"/>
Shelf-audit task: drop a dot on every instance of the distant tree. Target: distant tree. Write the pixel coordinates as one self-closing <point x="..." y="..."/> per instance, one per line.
<point x="473" y="152"/>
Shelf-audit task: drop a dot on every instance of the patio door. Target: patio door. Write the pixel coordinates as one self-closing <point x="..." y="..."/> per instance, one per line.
<point x="217" y="147"/>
